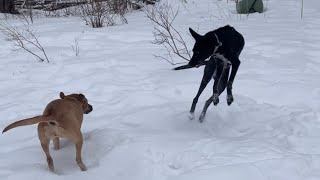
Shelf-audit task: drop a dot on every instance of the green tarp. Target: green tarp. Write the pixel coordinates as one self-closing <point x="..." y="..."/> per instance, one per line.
<point x="249" y="6"/>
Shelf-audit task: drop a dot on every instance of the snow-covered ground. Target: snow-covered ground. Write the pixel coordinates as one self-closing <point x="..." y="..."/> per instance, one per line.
<point x="139" y="128"/>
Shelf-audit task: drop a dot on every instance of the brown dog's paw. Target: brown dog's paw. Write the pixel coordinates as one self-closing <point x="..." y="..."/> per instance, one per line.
<point x="51" y="166"/>
<point x="83" y="167"/>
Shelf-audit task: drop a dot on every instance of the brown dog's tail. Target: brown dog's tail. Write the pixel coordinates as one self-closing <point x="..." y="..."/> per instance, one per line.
<point x="30" y="121"/>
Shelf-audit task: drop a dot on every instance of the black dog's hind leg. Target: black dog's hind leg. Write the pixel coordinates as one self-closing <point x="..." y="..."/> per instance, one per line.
<point x="207" y="76"/>
<point x="235" y="65"/>
<point x="221" y="86"/>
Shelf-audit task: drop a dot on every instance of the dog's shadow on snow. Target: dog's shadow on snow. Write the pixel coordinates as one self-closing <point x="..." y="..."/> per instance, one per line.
<point x="247" y="117"/>
<point x="97" y="145"/>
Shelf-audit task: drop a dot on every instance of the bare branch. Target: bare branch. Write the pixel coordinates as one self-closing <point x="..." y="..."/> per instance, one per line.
<point x="23" y="38"/>
<point x="162" y="17"/>
<point x="76" y="47"/>
<point x="98" y="13"/>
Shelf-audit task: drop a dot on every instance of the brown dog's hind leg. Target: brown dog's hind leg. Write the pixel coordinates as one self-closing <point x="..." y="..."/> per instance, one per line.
<point x="45" y="146"/>
<point x="78" y="141"/>
<point x="56" y="143"/>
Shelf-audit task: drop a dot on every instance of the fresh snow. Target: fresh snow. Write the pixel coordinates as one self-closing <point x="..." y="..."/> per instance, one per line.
<point x="139" y="128"/>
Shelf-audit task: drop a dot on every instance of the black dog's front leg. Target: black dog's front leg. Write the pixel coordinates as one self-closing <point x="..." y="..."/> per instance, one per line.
<point x="235" y="65"/>
<point x="207" y="75"/>
<point x="217" y="78"/>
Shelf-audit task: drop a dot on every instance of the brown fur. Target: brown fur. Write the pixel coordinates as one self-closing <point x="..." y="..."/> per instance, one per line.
<point x="61" y="118"/>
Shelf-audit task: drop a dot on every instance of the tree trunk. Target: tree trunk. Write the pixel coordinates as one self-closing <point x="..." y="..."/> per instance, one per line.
<point x="7" y="6"/>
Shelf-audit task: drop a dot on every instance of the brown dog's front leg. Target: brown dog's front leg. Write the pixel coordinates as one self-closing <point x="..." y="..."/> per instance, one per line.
<point x="56" y="143"/>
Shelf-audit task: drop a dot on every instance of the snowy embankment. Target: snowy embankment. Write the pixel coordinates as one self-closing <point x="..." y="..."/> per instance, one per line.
<point x="139" y="128"/>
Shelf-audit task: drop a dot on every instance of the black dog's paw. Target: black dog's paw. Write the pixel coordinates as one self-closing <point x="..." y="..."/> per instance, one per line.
<point x="229" y="99"/>
<point x="215" y="99"/>
<point x="191" y="116"/>
<point x="202" y="117"/>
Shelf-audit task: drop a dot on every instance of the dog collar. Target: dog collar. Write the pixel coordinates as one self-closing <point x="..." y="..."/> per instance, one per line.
<point x="214" y="54"/>
<point x="218" y="55"/>
<point x="219" y="44"/>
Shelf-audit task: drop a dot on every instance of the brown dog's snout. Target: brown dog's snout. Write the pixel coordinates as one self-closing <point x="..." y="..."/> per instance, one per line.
<point x="89" y="109"/>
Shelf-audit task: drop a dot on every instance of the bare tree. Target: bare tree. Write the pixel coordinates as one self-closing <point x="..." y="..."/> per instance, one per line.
<point x="24" y="38"/>
<point x="165" y="34"/>
<point x="27" y="13"/>
<point x="98" y="13"/>
<point x="94" y="13"/>
<point x="7" y="6"/>
<point x="120" y="7"/>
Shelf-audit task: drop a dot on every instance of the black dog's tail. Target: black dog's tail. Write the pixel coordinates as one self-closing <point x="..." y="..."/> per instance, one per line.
<point x="187" y="66"/>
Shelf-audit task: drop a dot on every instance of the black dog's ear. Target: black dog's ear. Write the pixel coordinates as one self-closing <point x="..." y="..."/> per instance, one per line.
<point x="62" y="95"/>
<point x="194" y="34"/>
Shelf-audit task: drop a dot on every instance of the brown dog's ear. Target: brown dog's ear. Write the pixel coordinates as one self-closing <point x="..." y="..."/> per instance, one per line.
<point x="62" y="95"/>
<point x="82" y="97"/>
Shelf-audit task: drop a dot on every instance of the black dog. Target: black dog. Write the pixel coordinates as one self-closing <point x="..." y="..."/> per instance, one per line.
<point x="223" y="46"/>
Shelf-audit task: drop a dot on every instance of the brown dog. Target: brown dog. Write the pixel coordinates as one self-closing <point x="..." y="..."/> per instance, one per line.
<point x="61" y="118"/>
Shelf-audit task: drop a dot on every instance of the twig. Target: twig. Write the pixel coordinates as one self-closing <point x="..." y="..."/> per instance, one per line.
<point x="75" y="47"/>
<point x="162" y="17"/>
<point x="301" y="9"/>
<point x="24" y="38"/>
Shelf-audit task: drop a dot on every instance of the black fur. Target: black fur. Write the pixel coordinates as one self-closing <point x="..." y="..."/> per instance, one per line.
<point x="229" y="44"/>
